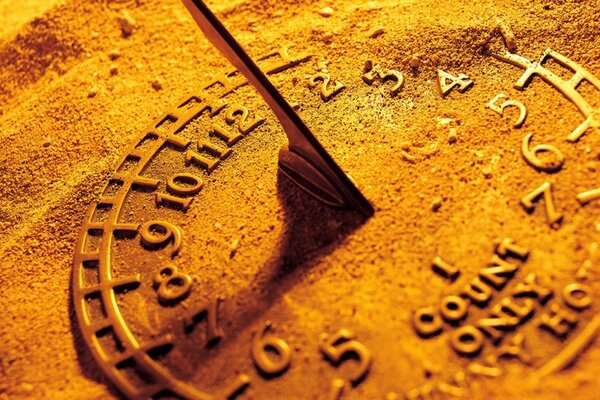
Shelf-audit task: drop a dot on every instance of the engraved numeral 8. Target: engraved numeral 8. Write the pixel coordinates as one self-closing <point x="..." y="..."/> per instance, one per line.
<point x="172" y="286"/>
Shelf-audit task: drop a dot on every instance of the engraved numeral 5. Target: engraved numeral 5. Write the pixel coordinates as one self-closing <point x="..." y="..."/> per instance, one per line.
<point x="340" y="345"/>
<point x="327" y="91"/>
<point x="500" y="109"/>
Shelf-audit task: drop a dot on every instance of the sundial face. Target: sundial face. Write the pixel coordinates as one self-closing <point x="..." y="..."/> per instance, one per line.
<point x="202" y="272"/>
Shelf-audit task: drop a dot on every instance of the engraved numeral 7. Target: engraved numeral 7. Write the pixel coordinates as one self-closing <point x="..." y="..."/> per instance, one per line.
<point x="209" y="311"/>
<point x="544" y="190"/>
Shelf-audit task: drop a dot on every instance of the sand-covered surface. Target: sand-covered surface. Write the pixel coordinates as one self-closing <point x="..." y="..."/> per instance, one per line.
<point x="80" y="81"/>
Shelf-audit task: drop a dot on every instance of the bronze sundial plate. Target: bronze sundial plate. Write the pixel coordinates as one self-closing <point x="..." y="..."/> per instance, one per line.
<point x="202" y="272"/>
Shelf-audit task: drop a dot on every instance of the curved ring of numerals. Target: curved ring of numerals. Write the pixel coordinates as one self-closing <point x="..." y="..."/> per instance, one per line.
<point x="102" y="222"/>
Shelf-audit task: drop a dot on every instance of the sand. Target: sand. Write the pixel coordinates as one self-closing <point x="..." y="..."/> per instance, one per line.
<point x="80" y="81"/>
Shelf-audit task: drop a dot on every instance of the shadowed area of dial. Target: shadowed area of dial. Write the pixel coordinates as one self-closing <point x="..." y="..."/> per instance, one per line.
<point x="300" y="247"/>
<point x="303" y="160"/>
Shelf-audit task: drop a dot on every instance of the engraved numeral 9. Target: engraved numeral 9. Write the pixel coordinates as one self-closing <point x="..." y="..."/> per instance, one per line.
<point x="340" y="345"/>
<point x="531" y="156"/>
<point x="172" y="286"/>
<point x="262" y="345"/>
<point x="158" y="233"/>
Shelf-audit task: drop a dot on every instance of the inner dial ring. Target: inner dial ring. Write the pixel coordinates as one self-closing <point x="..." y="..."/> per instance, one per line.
<point x="201" y="273"/>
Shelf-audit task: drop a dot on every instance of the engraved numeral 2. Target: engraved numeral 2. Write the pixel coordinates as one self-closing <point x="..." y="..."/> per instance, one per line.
<point x="240" y="113"/>
<point x="327" y="90"/>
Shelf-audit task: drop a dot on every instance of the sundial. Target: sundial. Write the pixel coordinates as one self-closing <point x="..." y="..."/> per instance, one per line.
<point x="306" y="227"/>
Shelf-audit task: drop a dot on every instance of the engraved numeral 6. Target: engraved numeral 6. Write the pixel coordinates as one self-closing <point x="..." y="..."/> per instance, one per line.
<point x="159" y="233"/>
<point x="531" y="156"/>
<point x="341" y="345"/>
<point x="172" y="286"/>
<point x="262" y="345"/>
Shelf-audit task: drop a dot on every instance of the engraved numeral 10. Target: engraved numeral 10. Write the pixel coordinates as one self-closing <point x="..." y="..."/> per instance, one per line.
<point x="182" y="184"/>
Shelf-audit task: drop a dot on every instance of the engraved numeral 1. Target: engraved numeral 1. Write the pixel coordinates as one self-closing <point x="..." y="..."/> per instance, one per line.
<point x="545" y="191"/>
<point x="230" y="138"/>
<point x="202" y="161"/>
<point x="182" y="184"/>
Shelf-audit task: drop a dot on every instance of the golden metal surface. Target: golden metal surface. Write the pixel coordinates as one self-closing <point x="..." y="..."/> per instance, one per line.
<point x="199" y="271"/>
